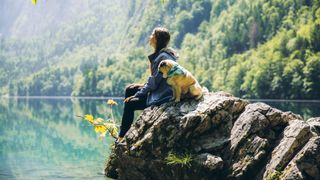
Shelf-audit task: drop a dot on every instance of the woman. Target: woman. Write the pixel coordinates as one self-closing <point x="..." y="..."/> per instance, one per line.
<point x="156" y="91"/>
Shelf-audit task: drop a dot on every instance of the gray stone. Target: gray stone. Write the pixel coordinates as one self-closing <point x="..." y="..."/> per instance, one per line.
<point x="209" y="161"/>
<point x="248" y="155"/>
<point x="295" y="135"/>
<point x="314" y="125"/>
<point x="227" y="138"/>
<point x="306" y="163"/>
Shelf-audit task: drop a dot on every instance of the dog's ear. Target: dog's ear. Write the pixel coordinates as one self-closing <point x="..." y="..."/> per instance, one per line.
<point x="163" y="63"/>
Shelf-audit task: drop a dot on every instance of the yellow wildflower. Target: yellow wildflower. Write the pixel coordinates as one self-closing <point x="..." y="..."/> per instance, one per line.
<point x="89" y="118"/>
<point x="111" y="102"/>
<point x="100" y="128"/>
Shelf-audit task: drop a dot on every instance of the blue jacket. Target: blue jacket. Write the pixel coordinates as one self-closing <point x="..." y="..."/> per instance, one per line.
<point x="156" y="89"/>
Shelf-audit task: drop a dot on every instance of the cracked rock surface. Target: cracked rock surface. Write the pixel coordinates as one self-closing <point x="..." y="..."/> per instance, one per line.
<point x="226" y="138"/>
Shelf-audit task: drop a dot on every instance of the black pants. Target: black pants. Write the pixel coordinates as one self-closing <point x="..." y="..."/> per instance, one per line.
<point x="138" y="103"/>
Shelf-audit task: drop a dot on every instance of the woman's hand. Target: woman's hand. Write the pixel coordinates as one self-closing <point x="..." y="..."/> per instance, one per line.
<point x="134" y="85"/>
<point x="128" y="99"/>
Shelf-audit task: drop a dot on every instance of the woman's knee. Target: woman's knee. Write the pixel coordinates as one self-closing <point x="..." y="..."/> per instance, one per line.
<point x="129" y="91"/>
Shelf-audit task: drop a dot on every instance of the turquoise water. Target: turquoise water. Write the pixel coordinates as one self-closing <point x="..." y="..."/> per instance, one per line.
<point x="43" y="138"/>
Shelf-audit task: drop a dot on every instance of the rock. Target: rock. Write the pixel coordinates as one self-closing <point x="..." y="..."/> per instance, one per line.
<point x="315" y="125"/>
<point x="226" y="138"/>
<point x="306" y="163"/>
<point x="295" y="136"/>
<point x="209" y="161"/>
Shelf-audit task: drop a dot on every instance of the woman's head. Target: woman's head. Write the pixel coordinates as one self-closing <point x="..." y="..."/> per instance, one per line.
<point x="159" y="38"/>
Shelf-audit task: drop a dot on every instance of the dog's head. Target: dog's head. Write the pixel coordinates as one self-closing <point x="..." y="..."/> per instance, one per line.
<point x="165" y="66"/>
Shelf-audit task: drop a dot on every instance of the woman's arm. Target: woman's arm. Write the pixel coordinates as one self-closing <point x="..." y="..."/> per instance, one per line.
<point x="152" y="84"/>
<point x="134" y="85"/>
<point x="155" y="79"/>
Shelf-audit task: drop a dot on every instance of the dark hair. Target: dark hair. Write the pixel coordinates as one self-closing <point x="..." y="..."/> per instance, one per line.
<point x="162" y="36"/>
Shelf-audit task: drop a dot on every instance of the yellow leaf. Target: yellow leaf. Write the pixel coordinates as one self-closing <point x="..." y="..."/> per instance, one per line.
<point x="111" y="102"/>
<point x="34" y="2"/>
<point x="89" y="118"/>
<point x="100" y="128"/>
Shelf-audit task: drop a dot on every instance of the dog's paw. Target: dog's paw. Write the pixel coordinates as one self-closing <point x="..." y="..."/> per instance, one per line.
<point x="177" y="100"/>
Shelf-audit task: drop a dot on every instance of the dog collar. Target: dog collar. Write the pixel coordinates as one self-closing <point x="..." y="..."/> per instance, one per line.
<point x="176" y="70"/>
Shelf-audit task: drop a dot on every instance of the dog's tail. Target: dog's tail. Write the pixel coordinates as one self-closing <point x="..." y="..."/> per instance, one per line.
<point x="203" y="91"/>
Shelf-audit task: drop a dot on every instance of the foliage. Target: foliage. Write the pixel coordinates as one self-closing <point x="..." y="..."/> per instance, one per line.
<point x="254" y="55"/>
<point x="175" y="159"/>
<point x="253" y="49"/>
<point x="275" y="175"/>
<point x="101" y="126"/>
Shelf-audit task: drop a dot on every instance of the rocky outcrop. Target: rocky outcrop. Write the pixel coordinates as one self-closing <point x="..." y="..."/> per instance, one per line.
<point x="218" y="137"/>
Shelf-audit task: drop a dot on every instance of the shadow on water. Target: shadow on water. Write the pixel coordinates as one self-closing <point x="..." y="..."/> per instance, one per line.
<point x="43" y="138"/>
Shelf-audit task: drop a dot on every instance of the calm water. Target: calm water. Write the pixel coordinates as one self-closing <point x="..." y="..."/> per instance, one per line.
<point x="43" y="138"/>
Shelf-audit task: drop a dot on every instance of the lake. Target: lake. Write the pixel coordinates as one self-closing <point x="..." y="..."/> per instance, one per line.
<point x="44" y="138"/>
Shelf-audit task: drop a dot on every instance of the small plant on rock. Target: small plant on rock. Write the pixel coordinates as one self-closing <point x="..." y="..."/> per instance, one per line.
<point x="174" y="159"/>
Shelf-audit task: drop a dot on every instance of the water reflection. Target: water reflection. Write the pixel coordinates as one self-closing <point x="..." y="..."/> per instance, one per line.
<point x="43" y="138"/>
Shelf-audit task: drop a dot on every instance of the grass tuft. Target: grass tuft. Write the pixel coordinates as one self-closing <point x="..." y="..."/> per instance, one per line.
<point x="174" y="159"/>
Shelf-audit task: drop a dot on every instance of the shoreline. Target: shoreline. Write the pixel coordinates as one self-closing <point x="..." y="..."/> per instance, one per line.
<point x="118" y="98"/>
<point x="61" y="97"/>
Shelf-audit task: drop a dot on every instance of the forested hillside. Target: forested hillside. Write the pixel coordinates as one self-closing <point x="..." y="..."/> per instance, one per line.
<point x="253" y="49"/>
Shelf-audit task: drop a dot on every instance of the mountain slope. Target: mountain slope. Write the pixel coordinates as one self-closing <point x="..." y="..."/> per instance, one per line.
<point x="254" y="49"/>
